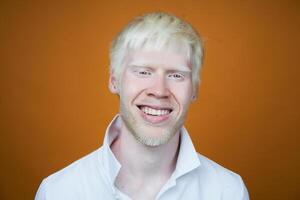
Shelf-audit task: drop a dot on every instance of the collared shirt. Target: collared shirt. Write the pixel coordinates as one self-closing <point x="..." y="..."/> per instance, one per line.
<point x="93" y="176"/>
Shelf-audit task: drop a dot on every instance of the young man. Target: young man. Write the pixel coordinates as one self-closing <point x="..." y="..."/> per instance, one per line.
<point x="147" y="153"/>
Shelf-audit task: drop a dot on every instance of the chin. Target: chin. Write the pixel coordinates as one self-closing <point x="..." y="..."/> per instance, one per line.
<point x="153" y="136"/>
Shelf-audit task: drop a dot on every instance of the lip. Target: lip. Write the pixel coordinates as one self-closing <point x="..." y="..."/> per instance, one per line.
<point x="153" y="119"/>
<point x="156" y="107"/>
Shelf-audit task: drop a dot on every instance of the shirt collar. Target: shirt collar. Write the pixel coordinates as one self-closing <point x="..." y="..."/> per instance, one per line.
<point x="111" y="164"/>
<point x="187" y="157"/>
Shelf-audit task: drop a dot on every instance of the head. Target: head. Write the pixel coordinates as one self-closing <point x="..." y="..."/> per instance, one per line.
<point x="152" y="47"/>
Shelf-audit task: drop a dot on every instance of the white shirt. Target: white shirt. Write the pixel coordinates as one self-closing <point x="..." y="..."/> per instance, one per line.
<point x="92" y="177"/>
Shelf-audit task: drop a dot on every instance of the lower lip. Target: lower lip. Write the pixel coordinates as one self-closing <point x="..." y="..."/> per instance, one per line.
<point x="155" y="119"/>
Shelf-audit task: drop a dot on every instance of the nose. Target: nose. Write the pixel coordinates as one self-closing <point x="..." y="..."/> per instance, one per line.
<point x="159" y="89"/>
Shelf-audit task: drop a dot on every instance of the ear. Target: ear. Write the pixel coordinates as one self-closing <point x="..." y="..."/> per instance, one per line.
<point x="195" y="93"/>
<point x="194" y="97"/>
<point x="113" y="84"/>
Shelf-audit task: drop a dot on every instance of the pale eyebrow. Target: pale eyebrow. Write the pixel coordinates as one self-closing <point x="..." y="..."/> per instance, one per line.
<point x="186" y="68"/>
<point x="139" y="66"/>
<point x="182" y="69"/>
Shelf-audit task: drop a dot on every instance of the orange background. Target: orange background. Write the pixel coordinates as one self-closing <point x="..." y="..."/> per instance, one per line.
<point x="55" y="104"/>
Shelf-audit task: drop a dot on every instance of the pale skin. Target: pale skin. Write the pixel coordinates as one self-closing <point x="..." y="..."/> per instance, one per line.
<point x="144" y="169"/>
<point x="162" y="81"/>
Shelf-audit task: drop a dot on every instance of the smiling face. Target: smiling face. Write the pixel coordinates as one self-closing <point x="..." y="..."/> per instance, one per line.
<point x="155" y="92"/>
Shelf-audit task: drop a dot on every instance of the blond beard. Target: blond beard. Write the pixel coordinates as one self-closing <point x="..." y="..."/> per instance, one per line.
<point x="150" y="141"/>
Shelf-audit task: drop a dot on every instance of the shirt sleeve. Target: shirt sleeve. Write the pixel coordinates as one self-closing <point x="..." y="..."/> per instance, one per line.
<point x="41" y="193"/>
<point x="235" y="189"/>
<point x="245" y="194"/>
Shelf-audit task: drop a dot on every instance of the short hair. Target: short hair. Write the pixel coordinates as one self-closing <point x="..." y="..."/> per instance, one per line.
<point x="156" y="30"/>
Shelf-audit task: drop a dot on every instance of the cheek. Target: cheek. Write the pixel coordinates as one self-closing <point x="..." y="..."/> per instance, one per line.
<point x="183" y="93"/>
<point x="132" y="86"/>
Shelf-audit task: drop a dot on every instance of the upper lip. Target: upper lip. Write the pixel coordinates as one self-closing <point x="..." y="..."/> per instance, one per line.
<point x="157" y="107"/>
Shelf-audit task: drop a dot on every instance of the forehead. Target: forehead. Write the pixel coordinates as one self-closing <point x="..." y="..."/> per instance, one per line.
<point x="175" y="57"/>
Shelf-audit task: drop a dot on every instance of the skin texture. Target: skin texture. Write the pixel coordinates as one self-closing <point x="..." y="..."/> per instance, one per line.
<point x="160" y="80"/>
<point x="147" y="146"/>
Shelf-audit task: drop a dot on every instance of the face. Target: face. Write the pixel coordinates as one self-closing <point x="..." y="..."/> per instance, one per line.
<point x="155" y="92"/>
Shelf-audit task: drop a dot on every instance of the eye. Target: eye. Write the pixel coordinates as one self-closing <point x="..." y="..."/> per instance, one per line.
<point x="142" y="73"/>
<point x="176" y="76"/>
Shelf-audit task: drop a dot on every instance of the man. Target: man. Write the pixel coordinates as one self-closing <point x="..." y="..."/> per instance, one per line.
<point x="147" y="153"/>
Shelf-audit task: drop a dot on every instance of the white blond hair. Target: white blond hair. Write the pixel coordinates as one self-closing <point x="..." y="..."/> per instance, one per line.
<point x="156" y="30"/>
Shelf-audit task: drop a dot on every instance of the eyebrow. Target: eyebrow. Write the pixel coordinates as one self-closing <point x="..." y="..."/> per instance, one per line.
<point x="139" y="66"/>
<point x="185" y="69"/>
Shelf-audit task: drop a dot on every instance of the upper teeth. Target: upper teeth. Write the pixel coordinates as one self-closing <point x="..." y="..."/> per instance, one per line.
<point x="157" y="112"/>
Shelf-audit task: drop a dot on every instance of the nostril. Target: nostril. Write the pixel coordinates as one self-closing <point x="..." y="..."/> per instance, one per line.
<point x="158" y="93"/>
<point x="159" y="89"/>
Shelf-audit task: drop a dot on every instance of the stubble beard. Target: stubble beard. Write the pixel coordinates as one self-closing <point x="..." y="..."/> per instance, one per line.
<point x="136" y="130"/>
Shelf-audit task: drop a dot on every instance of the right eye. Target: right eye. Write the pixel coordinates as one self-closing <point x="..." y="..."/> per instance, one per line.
<point x="143" y="73"/>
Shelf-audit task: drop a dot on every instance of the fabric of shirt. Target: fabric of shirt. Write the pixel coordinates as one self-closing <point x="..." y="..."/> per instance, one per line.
<point x="93" y="176"/>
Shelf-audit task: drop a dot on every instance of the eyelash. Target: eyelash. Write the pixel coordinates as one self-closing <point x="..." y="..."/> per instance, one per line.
<point x="176" y="76"/>
<point x="142" y="73"/>
<point x="146" y="73"/>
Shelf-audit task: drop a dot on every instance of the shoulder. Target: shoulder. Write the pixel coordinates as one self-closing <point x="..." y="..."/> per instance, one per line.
<point x="230" y="184"/>
<point x="226" y="176"/>
<point x="76" y="170"/>
<point x="74" y="180"/>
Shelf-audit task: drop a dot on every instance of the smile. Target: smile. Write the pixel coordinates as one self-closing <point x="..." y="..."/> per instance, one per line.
<point x="156" y="112"/>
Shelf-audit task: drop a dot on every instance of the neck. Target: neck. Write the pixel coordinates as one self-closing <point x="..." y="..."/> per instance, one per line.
<point x="140" y="160"/>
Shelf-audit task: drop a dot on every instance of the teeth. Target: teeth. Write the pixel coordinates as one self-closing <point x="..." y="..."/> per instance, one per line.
<point x="151" y="111"/>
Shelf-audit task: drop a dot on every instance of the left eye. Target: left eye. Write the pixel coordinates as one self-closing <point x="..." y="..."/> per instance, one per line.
<point x="176" y="76"/>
